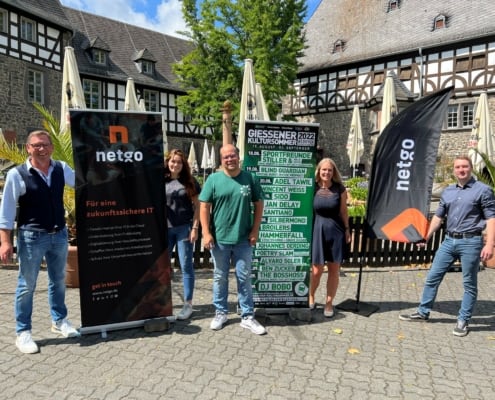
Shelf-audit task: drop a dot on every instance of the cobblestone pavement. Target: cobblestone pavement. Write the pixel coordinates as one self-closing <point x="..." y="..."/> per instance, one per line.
<point x="348" y="357"/>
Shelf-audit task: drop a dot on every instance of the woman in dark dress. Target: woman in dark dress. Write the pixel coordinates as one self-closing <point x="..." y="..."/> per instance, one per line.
<point x="330" y="231"/>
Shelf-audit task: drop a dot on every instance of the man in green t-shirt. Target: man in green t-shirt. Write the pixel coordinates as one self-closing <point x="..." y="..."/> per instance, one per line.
<point x="230" y="232"/>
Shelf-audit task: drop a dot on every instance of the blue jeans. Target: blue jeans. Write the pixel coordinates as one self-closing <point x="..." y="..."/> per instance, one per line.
<point x="241" y="255"/>
<point x="468" y="251"/>
<point x="32" y="247"/>
<point x="179" y="236"/>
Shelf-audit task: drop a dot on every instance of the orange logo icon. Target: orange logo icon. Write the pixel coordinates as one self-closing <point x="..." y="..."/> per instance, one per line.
<point x="410" y="217"/>
<point x="118" y="131"/>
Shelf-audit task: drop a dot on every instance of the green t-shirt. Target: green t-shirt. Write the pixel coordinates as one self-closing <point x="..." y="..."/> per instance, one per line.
<point x="231" y="200"/>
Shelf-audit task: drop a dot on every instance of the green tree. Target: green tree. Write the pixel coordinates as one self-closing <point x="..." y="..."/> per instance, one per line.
<point x="227" y="32"/>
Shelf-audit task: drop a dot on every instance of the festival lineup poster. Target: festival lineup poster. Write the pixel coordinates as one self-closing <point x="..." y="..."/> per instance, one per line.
<point x="124" y="267"/>
<point x="283" y="157"/>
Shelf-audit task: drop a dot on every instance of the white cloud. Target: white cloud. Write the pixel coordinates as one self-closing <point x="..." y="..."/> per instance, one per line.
<point x="162" y="16"/>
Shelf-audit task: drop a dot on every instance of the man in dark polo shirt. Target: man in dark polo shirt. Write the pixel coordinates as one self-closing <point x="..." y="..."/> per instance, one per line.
<point x="469" y="208"/>
<point x="37" y="187"/>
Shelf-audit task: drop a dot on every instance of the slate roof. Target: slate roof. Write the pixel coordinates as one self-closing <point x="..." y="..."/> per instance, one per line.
<point x="126" y="43"/>
<point x="369" y="31"/>
<point x="49" y="10"/>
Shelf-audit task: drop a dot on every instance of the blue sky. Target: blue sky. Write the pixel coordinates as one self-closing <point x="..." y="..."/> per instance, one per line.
<point x="159" y="15"/>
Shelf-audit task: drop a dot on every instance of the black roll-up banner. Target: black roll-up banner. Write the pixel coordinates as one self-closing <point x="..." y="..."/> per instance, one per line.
<point x="124" y="266"/>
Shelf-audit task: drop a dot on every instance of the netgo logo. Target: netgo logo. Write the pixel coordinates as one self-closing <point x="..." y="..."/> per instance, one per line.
<point x="117" y="132"/>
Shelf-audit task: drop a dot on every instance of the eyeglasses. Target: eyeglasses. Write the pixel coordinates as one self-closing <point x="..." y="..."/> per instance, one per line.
<point x="231" y="156"/>
<point x="38" y="146"/>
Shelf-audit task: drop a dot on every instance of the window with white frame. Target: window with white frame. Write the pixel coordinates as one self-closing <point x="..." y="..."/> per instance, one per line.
<point x="92" y="94"/>
<point x="440" y="22"/>
<point x="393" y="5"/>
<point x="150" y="100"/>
<point x="460" y="116"/>
<point x="3" y="20"/>
<point x="99" y="57"/>
<point x="28" y="29"/>
<point x="35" y="86"/>
<point x="147" y="67"/>
<point x="338" y="46"/>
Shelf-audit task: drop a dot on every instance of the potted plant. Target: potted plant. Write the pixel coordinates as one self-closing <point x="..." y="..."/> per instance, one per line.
<point x="62" y="150"/>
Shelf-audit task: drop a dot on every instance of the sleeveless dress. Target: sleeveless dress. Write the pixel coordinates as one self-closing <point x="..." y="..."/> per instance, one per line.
<point x="328" y="227"/>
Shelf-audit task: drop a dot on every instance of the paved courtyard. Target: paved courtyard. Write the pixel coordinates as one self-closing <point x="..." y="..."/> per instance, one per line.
<point x="348" y="357"/>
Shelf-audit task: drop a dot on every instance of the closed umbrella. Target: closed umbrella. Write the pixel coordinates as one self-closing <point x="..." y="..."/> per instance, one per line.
<point x="205" y="158"/>
<point x="213" y="161"/>
<point x="482" y="134"/>
<point x="164" y="131"/>
<point x="131" y="102"/>
<point x="72" y="90"/>
<point x="355" y="143"/>
<point x="191" y="159"/>
<point x="261" y="109"/>
<point x="389" y="103"/>
<point x="248" y="104"/>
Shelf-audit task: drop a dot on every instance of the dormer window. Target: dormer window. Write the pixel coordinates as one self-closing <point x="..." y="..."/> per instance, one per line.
<point x="338" y="46"/>
<point x="99" y="57"/>
<point x="147" y="67"/>
<point x="145" y="62"/>
<point x="440" y="22"/>
<point x="393" y="5"/>
<point x="98" y="52"/>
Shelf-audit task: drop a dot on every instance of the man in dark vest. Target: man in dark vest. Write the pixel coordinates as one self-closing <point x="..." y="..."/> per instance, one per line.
<point x="37" y="187"/>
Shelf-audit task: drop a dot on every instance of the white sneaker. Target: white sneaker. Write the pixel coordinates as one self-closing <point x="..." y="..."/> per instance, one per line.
<point x="186" y="312"/>
<point x="253" y="325"/>
<point x="65" y="328"/>
<point x="218" y="322"/>
<point x="25" y="343"/>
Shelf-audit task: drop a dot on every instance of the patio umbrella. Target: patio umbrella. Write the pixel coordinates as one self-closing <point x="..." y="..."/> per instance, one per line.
<point x="191" y="159"/>
<point x="205" y="159"/>
<point x="482" y="134"/>
<point x="261" y="109"/>
<point x="72" y="90"/>
<point x="131" y="102"/>
<point x="213" y="161"/>
<point x="164" y="132"/>
<point x="355" y="144"/>
<point x="389" y="103"/>
<point x="248" y="104"/>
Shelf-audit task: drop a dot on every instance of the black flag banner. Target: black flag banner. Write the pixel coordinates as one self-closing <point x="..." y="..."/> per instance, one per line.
<point x="403" y="169"/>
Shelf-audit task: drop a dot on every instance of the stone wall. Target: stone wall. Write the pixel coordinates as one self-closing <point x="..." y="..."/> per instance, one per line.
<point x="333" y="133"/>
<point x="14" y="119"/>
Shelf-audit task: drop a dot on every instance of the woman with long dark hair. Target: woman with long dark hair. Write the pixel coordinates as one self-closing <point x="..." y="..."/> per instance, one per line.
<point x="182" y="191"/>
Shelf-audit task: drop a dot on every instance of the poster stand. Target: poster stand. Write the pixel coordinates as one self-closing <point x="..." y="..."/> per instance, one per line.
<point x="356" y="306"/>
<point x="294" y="313"/>
<point x="104" y="329"/>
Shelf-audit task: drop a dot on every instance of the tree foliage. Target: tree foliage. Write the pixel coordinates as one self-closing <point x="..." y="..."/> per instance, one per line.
<point x="225" y="33"/>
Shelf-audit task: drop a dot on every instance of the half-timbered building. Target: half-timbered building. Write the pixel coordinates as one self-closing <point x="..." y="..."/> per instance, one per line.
<point x="427" y="45"/>
<point x="33" y="35"/>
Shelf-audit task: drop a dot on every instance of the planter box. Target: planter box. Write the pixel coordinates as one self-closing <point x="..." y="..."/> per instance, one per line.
<point x="72" y="269"/>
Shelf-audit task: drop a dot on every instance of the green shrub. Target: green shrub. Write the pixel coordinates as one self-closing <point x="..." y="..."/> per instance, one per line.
<point x="358" y="193"/>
